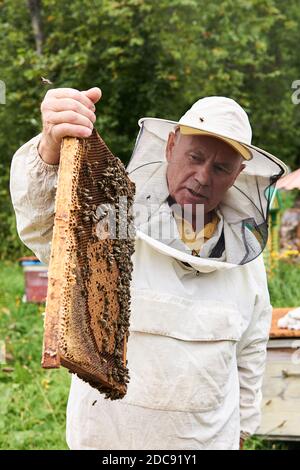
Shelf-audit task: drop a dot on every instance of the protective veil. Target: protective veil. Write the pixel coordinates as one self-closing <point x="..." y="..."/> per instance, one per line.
<point x="242" y="232"/>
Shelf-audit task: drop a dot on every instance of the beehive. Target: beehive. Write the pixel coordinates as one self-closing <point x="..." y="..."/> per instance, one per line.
<point x="88" y="300"/>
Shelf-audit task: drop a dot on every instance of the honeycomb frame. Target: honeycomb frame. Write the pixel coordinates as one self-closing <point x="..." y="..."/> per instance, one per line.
<point x="88" y="300"/>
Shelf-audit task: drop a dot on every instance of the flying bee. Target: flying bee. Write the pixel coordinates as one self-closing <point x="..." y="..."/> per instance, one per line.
<point x="45" y="81"/>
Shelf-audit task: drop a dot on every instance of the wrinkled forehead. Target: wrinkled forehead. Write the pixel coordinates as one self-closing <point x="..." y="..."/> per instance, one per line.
<point x="207" y="147"/>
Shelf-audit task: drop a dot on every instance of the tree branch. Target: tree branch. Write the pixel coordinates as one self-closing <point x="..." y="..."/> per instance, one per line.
<point x="36" y="21"/>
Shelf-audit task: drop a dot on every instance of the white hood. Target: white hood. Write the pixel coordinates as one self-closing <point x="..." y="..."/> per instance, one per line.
<point x="243" y="212"/>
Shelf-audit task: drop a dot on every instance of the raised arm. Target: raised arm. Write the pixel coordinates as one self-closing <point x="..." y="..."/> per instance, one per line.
<point x="34" y="168"/>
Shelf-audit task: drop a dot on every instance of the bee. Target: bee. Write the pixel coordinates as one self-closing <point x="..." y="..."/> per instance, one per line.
<point x="45" y="81"/>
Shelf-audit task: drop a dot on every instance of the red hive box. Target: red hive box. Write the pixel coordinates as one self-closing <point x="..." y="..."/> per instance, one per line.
<point x="36" y="280"/>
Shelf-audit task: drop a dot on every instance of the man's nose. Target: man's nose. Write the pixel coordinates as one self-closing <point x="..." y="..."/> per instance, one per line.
<point x="203" y="175"/>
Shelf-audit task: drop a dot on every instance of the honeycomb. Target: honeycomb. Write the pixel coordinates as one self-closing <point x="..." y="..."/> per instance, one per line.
<point x="88" y="301"/>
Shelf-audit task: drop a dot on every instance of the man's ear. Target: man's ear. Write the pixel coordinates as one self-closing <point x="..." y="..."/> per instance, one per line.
<point x="170" y="145"/>
<point x="242" y="167"/>
<point x="235" y="175"/>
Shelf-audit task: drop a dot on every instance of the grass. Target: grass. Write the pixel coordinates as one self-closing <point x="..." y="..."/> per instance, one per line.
<point x="284" y="285"/>
<point x="33" y="400"/>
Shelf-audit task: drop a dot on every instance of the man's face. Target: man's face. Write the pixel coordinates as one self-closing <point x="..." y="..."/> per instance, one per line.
<point x="200" y="169"/>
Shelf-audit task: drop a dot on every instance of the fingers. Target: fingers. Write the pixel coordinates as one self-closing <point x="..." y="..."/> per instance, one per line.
<point x="70" y="93"/>
<point x="68" y="104"/>
<point x="72" y="130"/>
<point x="94" y="94"/>
<point x="69" y="117"/>
<point x="66" y="112"/>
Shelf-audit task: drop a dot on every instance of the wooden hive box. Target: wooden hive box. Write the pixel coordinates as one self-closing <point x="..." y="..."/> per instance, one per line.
<point x="281" y="384"/>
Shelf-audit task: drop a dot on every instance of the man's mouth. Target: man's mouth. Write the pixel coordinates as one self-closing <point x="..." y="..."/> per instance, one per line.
<point x="198" y="195"/>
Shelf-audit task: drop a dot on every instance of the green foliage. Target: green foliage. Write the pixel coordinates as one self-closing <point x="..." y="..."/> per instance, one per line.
<point x="284" y="285"/>
<point x="33" y="400"/>
<point x="288" y="199"/>
<point x="256" y="443"/>
<point x="150" y="58"/>
<point x="32" y="417"/>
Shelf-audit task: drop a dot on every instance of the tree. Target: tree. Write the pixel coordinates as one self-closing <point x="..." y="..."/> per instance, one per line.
<point x="35" y="13"/>
<point x="149" y="58"/>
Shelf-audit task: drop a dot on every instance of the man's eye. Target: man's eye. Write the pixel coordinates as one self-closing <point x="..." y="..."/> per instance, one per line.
<point x="195" y="157"/>
<point x="221" y="169"/>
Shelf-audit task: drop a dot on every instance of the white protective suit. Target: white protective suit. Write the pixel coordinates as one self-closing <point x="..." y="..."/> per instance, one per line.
<point x="199" y="325"/>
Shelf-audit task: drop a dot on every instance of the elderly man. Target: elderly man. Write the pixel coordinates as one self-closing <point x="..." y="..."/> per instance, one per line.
<point x="200" y="305"/>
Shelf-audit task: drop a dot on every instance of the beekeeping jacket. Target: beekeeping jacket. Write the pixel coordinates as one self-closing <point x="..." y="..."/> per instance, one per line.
<point x="199" y="324"/>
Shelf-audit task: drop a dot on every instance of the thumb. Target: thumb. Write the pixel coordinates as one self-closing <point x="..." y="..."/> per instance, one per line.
<point x="94" y="94"/>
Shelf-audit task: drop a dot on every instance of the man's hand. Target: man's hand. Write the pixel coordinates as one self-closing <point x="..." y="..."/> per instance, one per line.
<point x="66" y="112"/>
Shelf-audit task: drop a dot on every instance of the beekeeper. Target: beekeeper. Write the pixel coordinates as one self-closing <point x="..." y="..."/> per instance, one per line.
<point x="201" y="311"/>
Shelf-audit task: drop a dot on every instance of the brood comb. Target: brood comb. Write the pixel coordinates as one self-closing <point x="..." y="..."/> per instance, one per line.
<point x="88" y="299"/>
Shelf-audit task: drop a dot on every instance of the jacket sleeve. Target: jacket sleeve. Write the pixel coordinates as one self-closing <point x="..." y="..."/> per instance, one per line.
<point x="251" y="356"/>
<point x="32" y="187"/>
